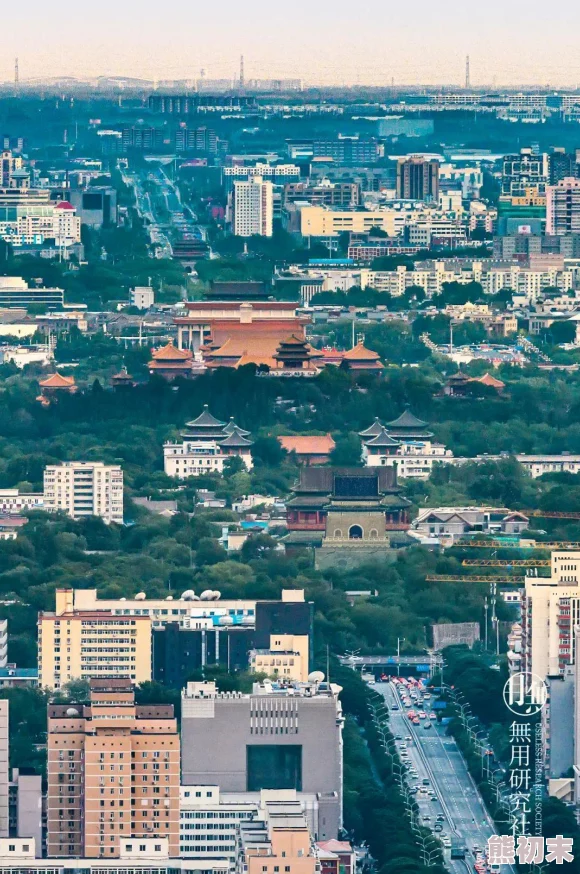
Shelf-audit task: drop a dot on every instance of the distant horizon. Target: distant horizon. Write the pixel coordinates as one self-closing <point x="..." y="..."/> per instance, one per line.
<point x="325" y="43"/>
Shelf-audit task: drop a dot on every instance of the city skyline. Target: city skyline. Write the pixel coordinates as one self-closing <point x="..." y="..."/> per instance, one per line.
<point x="387" y="47"/>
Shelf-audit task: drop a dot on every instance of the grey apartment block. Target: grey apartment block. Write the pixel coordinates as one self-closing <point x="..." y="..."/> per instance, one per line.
<point x="559" y="724"/>
<point x="26" y="807"/>
<point x="278" y="737"/>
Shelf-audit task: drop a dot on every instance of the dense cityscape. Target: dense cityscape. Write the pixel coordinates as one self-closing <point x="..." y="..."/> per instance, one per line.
<point x="289" y="477"/>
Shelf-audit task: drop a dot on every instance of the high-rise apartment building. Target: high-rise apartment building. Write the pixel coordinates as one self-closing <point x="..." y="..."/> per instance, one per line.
<point x="3" y="643"/>
<point x="113" y="773"/>
<point x="562" y="165"/>
<point x="80" y="644"/>
<point x="563" y="207"/>
<point x="283" y="735"/>
<point x="418" y="178"/>
<point x="25" y="807"/>
<point x="253" y="207"/>
<point x="550" y="612"/>
<point x="523" y="173"/>
<point x="9" y="165"/>
<point x="4" y="777"/>
<point x="85" y="488"/>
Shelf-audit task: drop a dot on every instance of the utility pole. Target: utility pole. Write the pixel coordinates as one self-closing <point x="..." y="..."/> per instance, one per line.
<point x="467" y="76"/>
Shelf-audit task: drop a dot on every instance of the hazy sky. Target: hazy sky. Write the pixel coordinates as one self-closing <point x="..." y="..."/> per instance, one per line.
<point x="320" y="41"/>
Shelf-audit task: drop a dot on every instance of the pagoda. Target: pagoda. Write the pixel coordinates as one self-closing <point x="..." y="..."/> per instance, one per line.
<point x="457" y="385"/>
<point x="361" y="359"/>
<point x="53" y="385"/>
<point x="381" y="444"/>
<point x="170" y="362"/>
<point x="405" y="443"/>
<point x="122" y="379"/>
<point x="408" y="428"/>
<point x="294" y="356"/>
<point x="206" y="444"/>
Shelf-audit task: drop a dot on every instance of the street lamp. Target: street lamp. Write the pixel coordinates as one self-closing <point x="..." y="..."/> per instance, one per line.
<point x="400" y="640"/>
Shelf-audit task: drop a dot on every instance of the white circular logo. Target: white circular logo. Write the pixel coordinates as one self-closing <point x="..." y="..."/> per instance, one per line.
<point x="525" y="694"/>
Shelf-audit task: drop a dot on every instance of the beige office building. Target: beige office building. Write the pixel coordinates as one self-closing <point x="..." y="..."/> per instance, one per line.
<point x="81" y="644"/>
<point x="85" y="488"/>
<point x="113" y="773"/>
<point x="286" y="659"/>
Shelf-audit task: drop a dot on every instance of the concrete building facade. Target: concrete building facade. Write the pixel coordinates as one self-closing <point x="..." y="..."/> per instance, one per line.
<point x="281" y="736"/>
<point x="253" y="207"/>
<point x="113" y="773"/>
<point x="4" y="775"/>
<point x="85" y="488"/>
<point x="78" y="644"/>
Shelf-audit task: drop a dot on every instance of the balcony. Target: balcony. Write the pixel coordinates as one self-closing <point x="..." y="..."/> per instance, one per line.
<point x="306" y="526"/>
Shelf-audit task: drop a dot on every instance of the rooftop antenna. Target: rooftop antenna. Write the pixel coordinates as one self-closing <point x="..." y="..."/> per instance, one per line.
<point x="16" y="76"/>
<point x="467" y="76"/>
<point x="242" y="77"/>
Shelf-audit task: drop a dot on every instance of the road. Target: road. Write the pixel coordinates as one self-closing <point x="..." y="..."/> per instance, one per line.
<point x="437" y="758"/>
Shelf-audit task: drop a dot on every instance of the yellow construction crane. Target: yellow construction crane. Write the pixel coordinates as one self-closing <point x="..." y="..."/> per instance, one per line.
<point x="522" y="544"/>
<point x="550" y="514"/>
<point x="506" y="562"/>
<point x="451" y="578"/>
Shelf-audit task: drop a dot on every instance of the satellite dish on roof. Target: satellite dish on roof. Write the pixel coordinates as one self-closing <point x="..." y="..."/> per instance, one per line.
<point x="72" y="711"/>
<point x="226" y="620"/>
<point x="188" y="595"/>
<point x="316" y="677"/>
<point x="169" y="598"/>
<point x="140" y="596"/>
<point x="206" y="595"/>
<point x="123" y="599"/>
<point x="215" y="595"/>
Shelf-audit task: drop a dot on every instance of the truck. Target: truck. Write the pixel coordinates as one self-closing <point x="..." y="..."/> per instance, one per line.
<point x="457" y="848"/>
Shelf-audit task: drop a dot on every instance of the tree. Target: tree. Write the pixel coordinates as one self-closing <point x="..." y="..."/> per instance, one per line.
<point x="347" y="451"/>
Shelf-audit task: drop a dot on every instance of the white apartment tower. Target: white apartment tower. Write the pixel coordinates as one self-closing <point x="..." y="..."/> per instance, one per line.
<point x="253" y="207"/>
<point x="550" y="613"/>
<point x="85" y="488"/>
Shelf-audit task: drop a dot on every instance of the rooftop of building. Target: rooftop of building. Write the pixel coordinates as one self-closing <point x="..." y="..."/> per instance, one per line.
<point x="305" y="445"/>
<point x="314" y="688"/>
<point x="57" y="380"/>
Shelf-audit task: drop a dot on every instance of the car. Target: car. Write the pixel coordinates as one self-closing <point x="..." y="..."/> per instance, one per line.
<point x="432" y="716"/>
<point x="434" y="798"/>
<point x="422" y="714"/>
<point x="426" y="782"/>
<point x="398" y="737"/>
<point x="446" y="841"/>
<point x="438" y="827"/>
<point x="440" y="817"/>
<point x="426" y="819"/>
<point x="408" y="737"/>
<point x="427" y="724"/>
<point x="393" y="706"/>
<point x="427" y="696"/>
<point x="416" y="721"/>
<point x="413" y="790"/>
